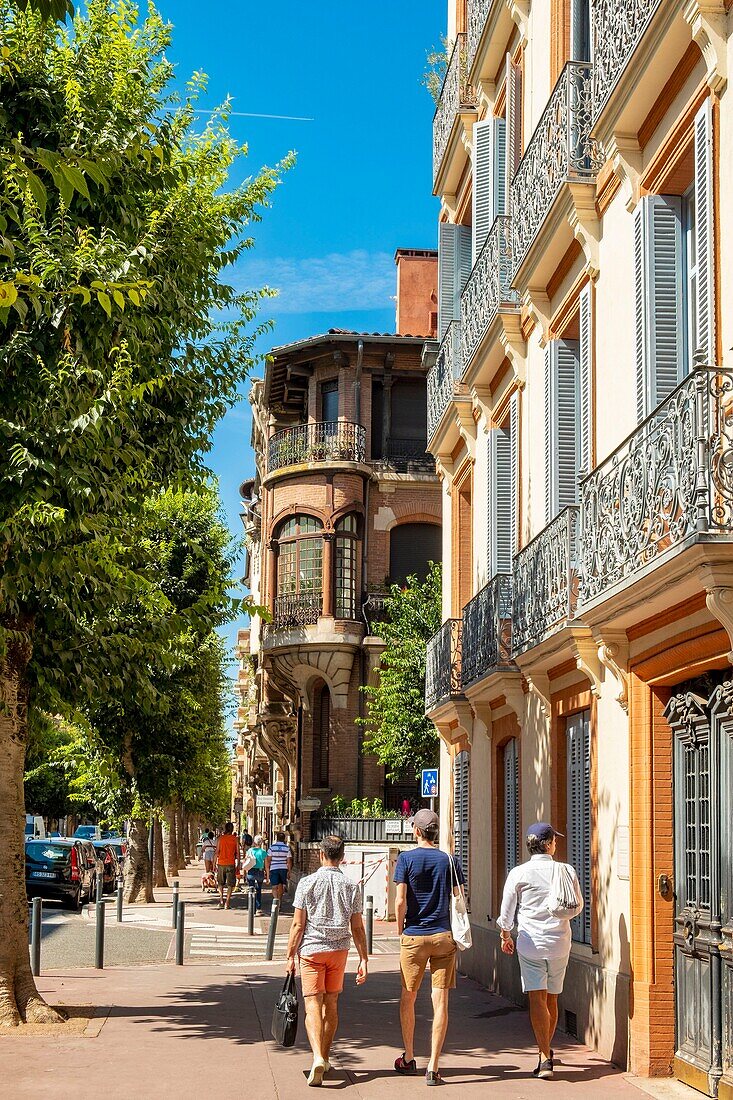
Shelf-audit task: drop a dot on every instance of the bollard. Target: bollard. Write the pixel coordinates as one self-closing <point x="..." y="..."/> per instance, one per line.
<point x="99" y="943"/>
<point x="100" y="885"/>
<point x="180" y="931"/>
<point x="36" y="936"/>
<point x="120" y="897"/>
<point x="370" y="924"/>
<point x="274" y="914"/>
<point x="251" y="912"/>
<point x="174" y="913"/>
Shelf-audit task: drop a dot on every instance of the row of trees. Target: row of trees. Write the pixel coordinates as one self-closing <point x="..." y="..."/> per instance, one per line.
<point x="121" y="345"/>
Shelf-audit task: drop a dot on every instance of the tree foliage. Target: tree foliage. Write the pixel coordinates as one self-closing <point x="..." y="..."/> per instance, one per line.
<point x="397" y="731"/>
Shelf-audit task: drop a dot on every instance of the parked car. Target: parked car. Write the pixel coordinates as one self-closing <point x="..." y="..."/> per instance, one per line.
<point x="34" y="826"/>
<point x="119" y="847"/>
<point x="60" y="869"/>
<point x="88" y="832"/>
<point x="111" y="867"/>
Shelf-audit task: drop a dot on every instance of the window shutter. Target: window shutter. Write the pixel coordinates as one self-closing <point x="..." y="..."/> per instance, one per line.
<point x="513" y="137"/>
<point x="514" y="474"/>
<point x="499" y="169"/>
<point x="579" y="815"/>
<point x="461" y="809"/>
<point x="658" y="308"/>
<point x="580" y="30"/>
<point x="454" y="267"/>
<point x="500" y="505"/>
<point x="585" y="366"/>
<point x="561" y="426"/>
<point x="704" y="240"/>
<point x="483" y="170"/>
<point x="511" y="805"/>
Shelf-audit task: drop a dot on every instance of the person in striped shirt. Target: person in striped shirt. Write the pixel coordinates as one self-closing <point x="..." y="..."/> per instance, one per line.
<point x="278" y="865"/>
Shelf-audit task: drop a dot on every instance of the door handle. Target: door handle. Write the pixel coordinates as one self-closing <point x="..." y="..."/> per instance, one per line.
<point x="688" y="933"/>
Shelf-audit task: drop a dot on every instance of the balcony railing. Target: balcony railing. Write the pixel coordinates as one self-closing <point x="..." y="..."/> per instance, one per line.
<point x="618" y="27"/>
<point x="455" y="92"/>
<point x="329" y="441"/>
<point x="443" y="664"/>
<point x="478" y="13"/>
<point x="374" y="609"/>
<point x="443" y="375"/>
<point x="487" y="630"/>
<point x="488" y="288"/>
<point x="545" y="582"/>
<point x="298" y="608"/>
<point x="560" y="151"/>
<point x="670" y="481"/>
<point x="408" y="454"/>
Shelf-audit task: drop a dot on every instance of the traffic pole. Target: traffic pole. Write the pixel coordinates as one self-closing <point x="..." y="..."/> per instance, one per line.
<point x="99" y="939"/>
<point x="100" y="885"/>
<point x="174" y="912"/>
<point x="274" y="914"/>
<point x="36" y="917"/>
<point x="180" y="931"/>
<point x="251" y="913"/>
<point x="120" y="898"/>
<point x="370" y="924"/>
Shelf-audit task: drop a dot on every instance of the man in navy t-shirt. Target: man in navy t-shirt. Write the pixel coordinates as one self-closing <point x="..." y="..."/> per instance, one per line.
<point x="425" y="882"/>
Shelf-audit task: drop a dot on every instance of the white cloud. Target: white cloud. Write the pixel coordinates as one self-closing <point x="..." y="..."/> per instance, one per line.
<point x="357" y="280"/>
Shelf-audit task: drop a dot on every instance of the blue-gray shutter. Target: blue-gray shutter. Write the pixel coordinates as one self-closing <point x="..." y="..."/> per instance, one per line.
<point x="498" y="175"/>
<point x="704" y="239"/>
<point x="580" y="30"/>
<point x="513" y="133"/>
<point x="454" y="267"/>
<point x="483" y="167"/>
<point x="500" y="503"/>
<point x="585" y="368"/>
<point x="561" y="426"/>
<point x="579" y="815"/>
<point x="511" y="805"/>
<point x="514" y="472"/>
<point x="461" y="809"/>
<point x="658" y="286"/>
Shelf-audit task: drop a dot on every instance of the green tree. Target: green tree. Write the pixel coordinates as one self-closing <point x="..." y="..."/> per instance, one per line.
<point x="116" y="227"/>
<point x="396" y="729"/>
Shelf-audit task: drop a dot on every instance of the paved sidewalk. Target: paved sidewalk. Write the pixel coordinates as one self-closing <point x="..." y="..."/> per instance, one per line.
<point x="177" y="1032"/>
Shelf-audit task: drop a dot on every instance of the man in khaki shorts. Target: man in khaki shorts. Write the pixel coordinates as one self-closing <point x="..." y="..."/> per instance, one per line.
<point x="424" y="887"/>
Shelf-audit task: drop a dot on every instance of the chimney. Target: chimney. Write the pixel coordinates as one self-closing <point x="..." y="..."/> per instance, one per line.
<point x="417" y="292"/>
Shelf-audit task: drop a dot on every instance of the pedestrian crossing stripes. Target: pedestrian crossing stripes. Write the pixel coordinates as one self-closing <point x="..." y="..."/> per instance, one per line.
<point x="241" y="945"/>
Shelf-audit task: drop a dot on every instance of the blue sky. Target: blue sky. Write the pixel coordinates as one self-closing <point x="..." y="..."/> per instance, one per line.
<point x="361" y="186"/>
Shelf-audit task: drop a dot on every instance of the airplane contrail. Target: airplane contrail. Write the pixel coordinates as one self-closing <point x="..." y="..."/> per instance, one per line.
<point x="254" y="114"/>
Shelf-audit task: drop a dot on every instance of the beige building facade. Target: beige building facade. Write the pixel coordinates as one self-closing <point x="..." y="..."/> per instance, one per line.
<point x="580" y="414"/>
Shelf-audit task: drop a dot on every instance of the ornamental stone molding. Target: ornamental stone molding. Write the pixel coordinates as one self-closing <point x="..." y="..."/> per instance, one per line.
<point x="720" y="604"/>
<point x="625" y="154"/>
<point x="539" y="686"/>
<point x="514" y="346"/>
<point x="708" y="21"/>
<point x="583" y="220"/>
<point x="536" y="303"/>
<point x="613" y="653"/>
<point x="585" y="652"/>
<point x="519" y="11"/>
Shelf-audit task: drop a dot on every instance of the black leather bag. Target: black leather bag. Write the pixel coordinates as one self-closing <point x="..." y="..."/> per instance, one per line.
<point x="285" y="1016"/>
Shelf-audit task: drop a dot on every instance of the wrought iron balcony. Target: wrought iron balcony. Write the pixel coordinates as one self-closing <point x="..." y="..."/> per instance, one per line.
<point x="670" y="482"/>
<point x="560" y="151"/>
<point x="487" y="630"/>
<point x="374" y="609"/>
<point x="443" y="375"/>
<point x="329" y="441"/>
<point x="488" y="288"/>
<point x="297" y="609"/>
<point x="443" y="665"/>
<point x="618" y="28"/>
<point x="545" y="582"/>
<point x="478" y="13"/>
<point x="404" y="455"/>
<point x="455" y="92"/>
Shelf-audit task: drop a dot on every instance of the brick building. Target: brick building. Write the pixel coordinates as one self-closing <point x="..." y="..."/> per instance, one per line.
<point x="345" y="501"/>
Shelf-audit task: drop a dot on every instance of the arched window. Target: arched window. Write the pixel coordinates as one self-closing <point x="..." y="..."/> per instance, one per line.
<point x="299" y="569"/>
<point x="346" y="566"/>
<point x="321" y="734"/>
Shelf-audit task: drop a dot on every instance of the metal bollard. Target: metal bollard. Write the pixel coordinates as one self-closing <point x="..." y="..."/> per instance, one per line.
<point x="274" y="914"/>
<point x="36" y="936"/>
<point x="370" y="924"/>
<point x="120" y="898"/>
<point x="99" y="941"/>
<point x="251" y="913"/>
<point x="180" y="932"/>
<point x="174" y="913"/>
<point x="100" y="886"/>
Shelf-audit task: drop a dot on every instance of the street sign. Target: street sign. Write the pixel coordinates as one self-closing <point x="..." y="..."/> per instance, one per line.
<point x="266" y="801"/>
<point x="429" y="785"/>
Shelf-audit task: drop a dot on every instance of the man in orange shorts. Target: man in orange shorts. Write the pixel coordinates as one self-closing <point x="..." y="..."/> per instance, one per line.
<point x="327" y="913"/>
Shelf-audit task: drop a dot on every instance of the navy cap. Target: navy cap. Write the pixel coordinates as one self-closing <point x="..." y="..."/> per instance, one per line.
<point x="543" y="831"/>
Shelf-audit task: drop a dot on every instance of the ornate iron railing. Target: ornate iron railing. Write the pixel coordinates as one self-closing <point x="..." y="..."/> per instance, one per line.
<point x="374" y="608"/>
<point x="478" y="13"/>
<point x="297" y="608"/>
<point x="443" y="375"/>
<point x="545" y="582"/>
<point x="455" y="92"/>
<point x="617" y="28"/>
<point x="560" y="151"/>
<point x="327" y="441"/>
<point x="443" y="664"/>
<point x="405" y="454"/>
<point x="488" y="288"/>
<point x="670" y="480"/>
<point x="487" y="630"/>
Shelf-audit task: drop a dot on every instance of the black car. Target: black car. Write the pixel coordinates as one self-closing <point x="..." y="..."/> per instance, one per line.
<point x="111" y="868"/>
<point x="60" y="869"/>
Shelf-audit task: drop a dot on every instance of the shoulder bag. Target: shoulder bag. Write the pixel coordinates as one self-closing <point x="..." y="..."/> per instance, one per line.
<point x="564" y="901"/>
<point x="460" y="925"/>
<point x="285" y="1015"/>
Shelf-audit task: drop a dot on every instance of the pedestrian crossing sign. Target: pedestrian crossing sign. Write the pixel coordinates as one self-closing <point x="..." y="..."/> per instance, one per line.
<point x="429" y="787"/>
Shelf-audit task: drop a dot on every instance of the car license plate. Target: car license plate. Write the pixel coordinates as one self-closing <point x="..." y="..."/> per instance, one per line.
<point x="43" y="874"/>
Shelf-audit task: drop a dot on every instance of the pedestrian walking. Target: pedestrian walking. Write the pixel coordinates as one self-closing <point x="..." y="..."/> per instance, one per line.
<point x="208" y="851"/>
<point x="424" y="881"/>
<point x="256" y="873"/>
<point x="539" y="896"/>
<point x="227" y="862"/>
<point x="328" y="910"/>
<point x="278" y="865"/>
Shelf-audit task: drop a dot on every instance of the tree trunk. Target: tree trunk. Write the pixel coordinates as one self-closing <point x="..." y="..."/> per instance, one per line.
<point x="182" y="837"/>
<point x="170" y="848"/>
<point x="137" y="864"/>
<point x="19" y="998"/>
<point x="192" y="837"/>
<point x="159" y="877"/>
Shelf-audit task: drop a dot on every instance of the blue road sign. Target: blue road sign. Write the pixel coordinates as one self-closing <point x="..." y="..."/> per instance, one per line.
<point x="429" y="786"/>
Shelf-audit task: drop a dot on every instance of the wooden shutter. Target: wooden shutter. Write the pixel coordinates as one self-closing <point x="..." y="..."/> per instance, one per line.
<point x="511" y="805"/>
<point x="579" y="815"/>
<point x="561" y="425"/>
<point x="499" y="169"/>
<point x="454" y="267"/>
<point x="514" y="473"/>
<point x="580" y="30"/>
<point x="483" y="168"/>
<point x="704" y="306"/>
<point x="500" y="502"/>
<point x="658" y="287"/>
<point x="461" y="809"/>
<point x="585" y="386"/>
<point x="513" y="138"/>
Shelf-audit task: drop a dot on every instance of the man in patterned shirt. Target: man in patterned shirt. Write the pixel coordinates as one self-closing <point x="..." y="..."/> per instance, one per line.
<point x="328" y="911"/>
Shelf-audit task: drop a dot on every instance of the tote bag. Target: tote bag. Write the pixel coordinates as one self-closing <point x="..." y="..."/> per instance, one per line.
<point x="285" y="1016"/>
<point x="563" y="901"/>
<point x="460" y="925"/>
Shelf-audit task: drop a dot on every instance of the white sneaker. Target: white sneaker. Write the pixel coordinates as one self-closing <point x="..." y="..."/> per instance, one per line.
<point x="318" y="1069"/>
